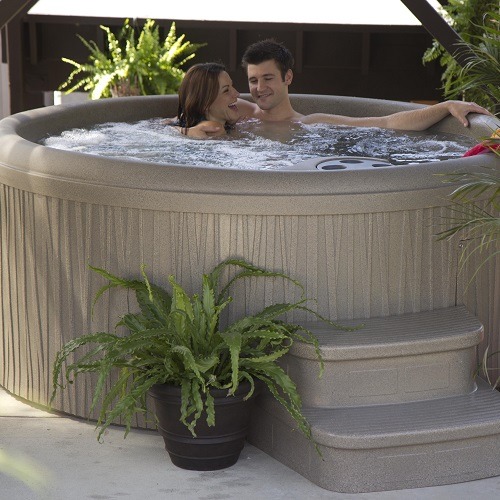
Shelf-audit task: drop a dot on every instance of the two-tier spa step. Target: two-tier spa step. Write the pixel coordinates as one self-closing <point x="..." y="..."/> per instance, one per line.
<point x="397" y="406"/>
<point x="388" y="447"/>
<point x="389" y="359"/>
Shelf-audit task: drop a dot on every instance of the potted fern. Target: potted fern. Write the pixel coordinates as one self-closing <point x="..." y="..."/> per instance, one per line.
<point x="177" y="352"/>
<point x="131" y="64"/>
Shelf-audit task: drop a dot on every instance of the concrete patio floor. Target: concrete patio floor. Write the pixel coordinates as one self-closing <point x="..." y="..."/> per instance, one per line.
<point x="65" y="453"/>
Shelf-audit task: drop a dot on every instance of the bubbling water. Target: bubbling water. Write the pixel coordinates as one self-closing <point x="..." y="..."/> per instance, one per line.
<point x="254" y="145"/>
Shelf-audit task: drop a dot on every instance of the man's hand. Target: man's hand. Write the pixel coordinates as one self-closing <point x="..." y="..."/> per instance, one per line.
<point x="460" y="110"/>
<point x="204" y="130"/>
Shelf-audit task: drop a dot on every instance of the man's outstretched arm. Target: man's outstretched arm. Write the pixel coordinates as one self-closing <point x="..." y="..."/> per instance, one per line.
<point x="415" y="119"/>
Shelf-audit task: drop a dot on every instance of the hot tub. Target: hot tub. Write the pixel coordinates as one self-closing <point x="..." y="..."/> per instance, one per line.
<point x="362" y="241"/>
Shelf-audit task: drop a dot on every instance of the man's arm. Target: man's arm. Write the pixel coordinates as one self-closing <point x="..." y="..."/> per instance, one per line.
<point x="204" y="130"/>
<point x="415" y="119"/>
<point x="247" y="109"/>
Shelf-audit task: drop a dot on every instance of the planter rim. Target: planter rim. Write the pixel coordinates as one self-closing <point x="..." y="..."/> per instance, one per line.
<point x="168" y="389"/>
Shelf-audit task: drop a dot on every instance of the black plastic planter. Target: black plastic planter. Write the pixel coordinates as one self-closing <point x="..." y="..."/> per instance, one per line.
<point x="214" y="447"/>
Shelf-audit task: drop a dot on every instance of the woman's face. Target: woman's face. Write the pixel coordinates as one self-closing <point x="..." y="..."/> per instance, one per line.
<point x="224" y="108"/>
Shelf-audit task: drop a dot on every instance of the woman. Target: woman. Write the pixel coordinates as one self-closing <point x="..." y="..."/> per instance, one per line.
<point x="207" y="96"/>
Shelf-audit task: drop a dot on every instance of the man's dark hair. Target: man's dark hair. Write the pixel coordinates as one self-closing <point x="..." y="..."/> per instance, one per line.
<point x="267" y="50"/>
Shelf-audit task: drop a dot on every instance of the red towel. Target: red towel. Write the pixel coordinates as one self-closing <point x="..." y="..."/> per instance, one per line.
<point x="486" y="146"/>
<point x="480" y="149"/>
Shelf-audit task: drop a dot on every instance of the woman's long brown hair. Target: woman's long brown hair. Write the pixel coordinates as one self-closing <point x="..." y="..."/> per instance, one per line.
<point x="197" y="92"/>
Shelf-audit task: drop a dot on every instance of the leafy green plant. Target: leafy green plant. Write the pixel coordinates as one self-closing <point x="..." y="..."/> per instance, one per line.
<point x="476" y="21"/>
<point x="485" y="370"/>
<point x="475" y="218"/>
<point x="27" y="471"/>
<point x="482" y="69"/>
<point x="132" y="65"/>
<point x="177" y="339"/>
<point x="476" y="222"/>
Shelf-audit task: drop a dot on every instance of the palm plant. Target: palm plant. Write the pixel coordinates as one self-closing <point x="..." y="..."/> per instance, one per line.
<point x="132" y="66"/>
<point x="476" y="223"/>
<point x="472" y="20"/>
<point x="475" y="219"/>
<point x="482" y="69"/>
<point x="33" y="476"/>
<point x="177" y="339"/>
<point x="475" y="215"/>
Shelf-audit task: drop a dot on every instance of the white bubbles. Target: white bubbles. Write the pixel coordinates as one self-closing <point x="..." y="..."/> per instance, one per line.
<point x="78" y="139"/>
<point x="257" y="145"/>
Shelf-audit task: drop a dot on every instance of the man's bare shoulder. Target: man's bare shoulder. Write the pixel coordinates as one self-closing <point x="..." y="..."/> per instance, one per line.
<point x="248" y="109"/>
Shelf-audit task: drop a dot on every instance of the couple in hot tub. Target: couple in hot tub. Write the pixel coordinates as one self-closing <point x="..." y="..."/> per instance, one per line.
<point x="209" y="105"/>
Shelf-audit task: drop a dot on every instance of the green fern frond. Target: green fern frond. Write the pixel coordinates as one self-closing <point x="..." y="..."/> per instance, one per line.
<point x="144" y="61"/>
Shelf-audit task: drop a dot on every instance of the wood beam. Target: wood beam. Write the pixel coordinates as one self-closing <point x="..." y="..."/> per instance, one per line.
<point x="11" y="8"/>
<point x="11" y="17"/>
<point x="15" y="59"/>
<point x="434" y="23"/>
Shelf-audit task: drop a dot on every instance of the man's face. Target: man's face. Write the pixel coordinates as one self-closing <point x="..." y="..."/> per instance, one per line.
<point x="266" y="84"/>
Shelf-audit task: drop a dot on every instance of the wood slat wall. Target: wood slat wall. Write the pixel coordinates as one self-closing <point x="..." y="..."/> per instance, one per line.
<point x="363" y="61"/>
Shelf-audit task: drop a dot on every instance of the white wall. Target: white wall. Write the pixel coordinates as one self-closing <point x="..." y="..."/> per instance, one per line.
<point x="338" y="12"/>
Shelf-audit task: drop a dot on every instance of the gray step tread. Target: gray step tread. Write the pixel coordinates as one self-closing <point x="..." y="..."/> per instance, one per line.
<point x="446" y="419"/>
<point x="439" y="330"/>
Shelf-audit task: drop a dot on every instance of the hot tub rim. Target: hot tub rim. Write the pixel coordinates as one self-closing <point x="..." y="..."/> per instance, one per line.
<point x="39" y="169"/>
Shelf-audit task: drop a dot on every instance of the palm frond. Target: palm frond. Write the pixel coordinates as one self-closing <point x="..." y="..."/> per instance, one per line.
<point x="477" y="22"/>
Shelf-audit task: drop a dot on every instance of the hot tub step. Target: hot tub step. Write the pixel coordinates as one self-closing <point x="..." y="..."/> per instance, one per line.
<point x="392" y="359"/>
<point x="388" y="447"/>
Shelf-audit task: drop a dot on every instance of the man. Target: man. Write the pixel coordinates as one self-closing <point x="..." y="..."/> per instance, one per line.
<point x="269" y="64"/>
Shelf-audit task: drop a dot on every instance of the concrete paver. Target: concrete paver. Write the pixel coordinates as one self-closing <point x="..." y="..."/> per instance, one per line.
<point x="65" y="453"/>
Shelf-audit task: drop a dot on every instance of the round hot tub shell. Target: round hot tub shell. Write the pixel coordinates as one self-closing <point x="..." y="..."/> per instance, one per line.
<point x="362" y="241"/>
